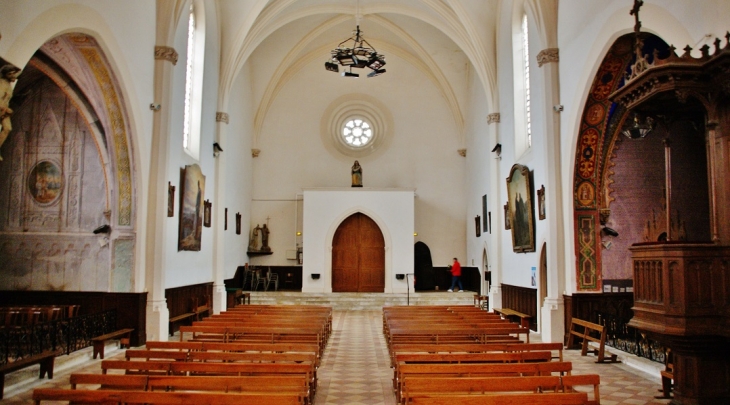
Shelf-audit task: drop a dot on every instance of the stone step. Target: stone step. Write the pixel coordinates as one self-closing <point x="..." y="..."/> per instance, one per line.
<point x="361" y="301"/>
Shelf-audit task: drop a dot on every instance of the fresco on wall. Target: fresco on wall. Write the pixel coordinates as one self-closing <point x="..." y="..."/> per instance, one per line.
<point x="45" y="182"/>
<point x="191" y="208"/>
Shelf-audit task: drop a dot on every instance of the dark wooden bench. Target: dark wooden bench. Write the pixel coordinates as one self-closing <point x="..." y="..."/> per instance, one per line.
<point x="508" y="313"/>
<point x="45" y="359"/>
<point x="175" y="319"/>
<point x="123" y="335"/>
<point x="589" y="328"/>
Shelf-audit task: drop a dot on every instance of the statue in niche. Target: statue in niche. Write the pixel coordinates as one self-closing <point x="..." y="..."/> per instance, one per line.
<point x="356" y="175"/>
<point x="265" y="239"/>
<point x="8" y="74"/>
<point x="253" y="245"/>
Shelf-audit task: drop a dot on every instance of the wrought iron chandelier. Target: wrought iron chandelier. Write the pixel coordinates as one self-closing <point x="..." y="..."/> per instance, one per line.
<point x="360" y="55"/>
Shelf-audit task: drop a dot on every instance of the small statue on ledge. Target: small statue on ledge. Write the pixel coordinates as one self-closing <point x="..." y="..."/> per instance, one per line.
<point x="253" y="244"/>
<point x="265" y="239"/>
<point x="356" y="175"/>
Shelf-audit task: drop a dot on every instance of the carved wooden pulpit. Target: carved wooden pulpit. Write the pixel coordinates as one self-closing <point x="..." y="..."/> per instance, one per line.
<point x="682" y="289"/>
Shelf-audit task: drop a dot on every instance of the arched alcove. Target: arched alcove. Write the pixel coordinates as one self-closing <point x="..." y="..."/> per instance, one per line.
<point x="67" y="171"/>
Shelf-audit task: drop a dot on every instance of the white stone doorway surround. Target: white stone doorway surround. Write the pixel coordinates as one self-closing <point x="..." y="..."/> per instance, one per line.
<point x="324" y="210"/>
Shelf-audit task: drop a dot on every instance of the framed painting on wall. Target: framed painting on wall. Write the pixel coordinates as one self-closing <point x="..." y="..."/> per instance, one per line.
<point x="191" y="208"/>
<point x="477" y="224"/>
<point x="170" y="200"/>
<point x="485" y="226"/>
<point x="519" y="191"/>
<point x="541" y="203"/>
<point x="207" y="213"/>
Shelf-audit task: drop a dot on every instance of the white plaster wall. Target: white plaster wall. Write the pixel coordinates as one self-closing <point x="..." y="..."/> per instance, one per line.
<point x="237" y="150"/>
<point x="189" y="267"/>
<point x="422" y="154"/>
<point x="515" y="268"/>
<point x="325" y="209"/>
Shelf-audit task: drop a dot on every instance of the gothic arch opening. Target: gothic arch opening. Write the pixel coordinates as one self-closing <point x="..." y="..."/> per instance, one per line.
<point x="67" y="171"/>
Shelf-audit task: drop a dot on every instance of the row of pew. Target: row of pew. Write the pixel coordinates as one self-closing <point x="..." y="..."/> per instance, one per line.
<point x="261" y="354"/>
<point x="465" y="355"/>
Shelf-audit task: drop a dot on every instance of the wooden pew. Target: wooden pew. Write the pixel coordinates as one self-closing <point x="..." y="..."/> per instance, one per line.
<point x="478" y="348"/>
<point x="478" y="370"/>
<point x="99" y="341"/>
<point x="45" y="359"/>
<point x="508" y="313"/>
<point x="574" y="398"/>
<point x="292" y="384"/>
<point x="146" y="397"/>
<point x="413" y="387"/>
<point x="584" y="330"/>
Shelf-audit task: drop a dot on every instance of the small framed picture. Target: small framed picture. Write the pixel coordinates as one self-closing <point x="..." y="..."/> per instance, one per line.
<point x="478" y="223"/>
<point x="170" y="200"/>
<point x="207" y="208"/>
<point x="541" y="203"/>
<point x="238" y="223"/>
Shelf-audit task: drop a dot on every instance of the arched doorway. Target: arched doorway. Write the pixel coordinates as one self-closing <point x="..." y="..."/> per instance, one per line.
<point x="358" y="256"/>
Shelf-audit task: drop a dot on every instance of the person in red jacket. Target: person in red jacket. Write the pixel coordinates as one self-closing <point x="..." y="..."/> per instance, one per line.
<point x="456" y="276"/>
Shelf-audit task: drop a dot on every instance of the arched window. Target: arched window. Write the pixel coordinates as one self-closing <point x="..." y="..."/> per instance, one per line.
<point x="526" y="70"/>
<point x="194" y="81"/>
<point x="521" y="71"/>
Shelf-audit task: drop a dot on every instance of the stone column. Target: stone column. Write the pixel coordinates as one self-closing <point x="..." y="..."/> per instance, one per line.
<point x="553" y="307"/>
<point x="157" y="312"/>
<point x="494" y="257"/>
<point x="219" y="288"/>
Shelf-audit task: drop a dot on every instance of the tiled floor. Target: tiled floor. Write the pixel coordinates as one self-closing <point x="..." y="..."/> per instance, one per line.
<point x="355" y="369"/>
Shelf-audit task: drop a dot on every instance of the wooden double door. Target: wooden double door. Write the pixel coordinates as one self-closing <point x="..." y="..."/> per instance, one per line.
<point x="358" y="256"/>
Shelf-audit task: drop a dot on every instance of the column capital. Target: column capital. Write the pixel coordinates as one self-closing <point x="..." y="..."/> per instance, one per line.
<point x="548" y="55"/>
<point x="493" y="118"/>
<point x="221" y="117"/>
<point x="462" y="152"/>
<point x="255" y="152"/>
<point x="167" y="53"/>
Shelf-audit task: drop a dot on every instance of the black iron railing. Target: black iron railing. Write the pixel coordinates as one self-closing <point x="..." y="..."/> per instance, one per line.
<point x="625" y="338"/>
<point x="69" y="335"/>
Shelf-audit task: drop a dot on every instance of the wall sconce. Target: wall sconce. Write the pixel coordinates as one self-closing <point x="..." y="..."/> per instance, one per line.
<point x="609" y="231"/>
<point x="299" y="234"/>
<point x="400" y="276"/>
<point x="102" y="229"/>
<point x="315" y="276"/>
<point x="216" y="149"/>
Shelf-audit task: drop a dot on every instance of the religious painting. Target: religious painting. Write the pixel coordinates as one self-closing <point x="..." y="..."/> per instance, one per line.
<point x="45" y="182"/>
<point x="519" y="192"/>
<point x="477" y="224"/>
<point x="507" y="222"/>
<point x="192" y="192"/>
<point x="208" y="207"/>
<point x="170" y="200"/>
<point x="541" y="203"/>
